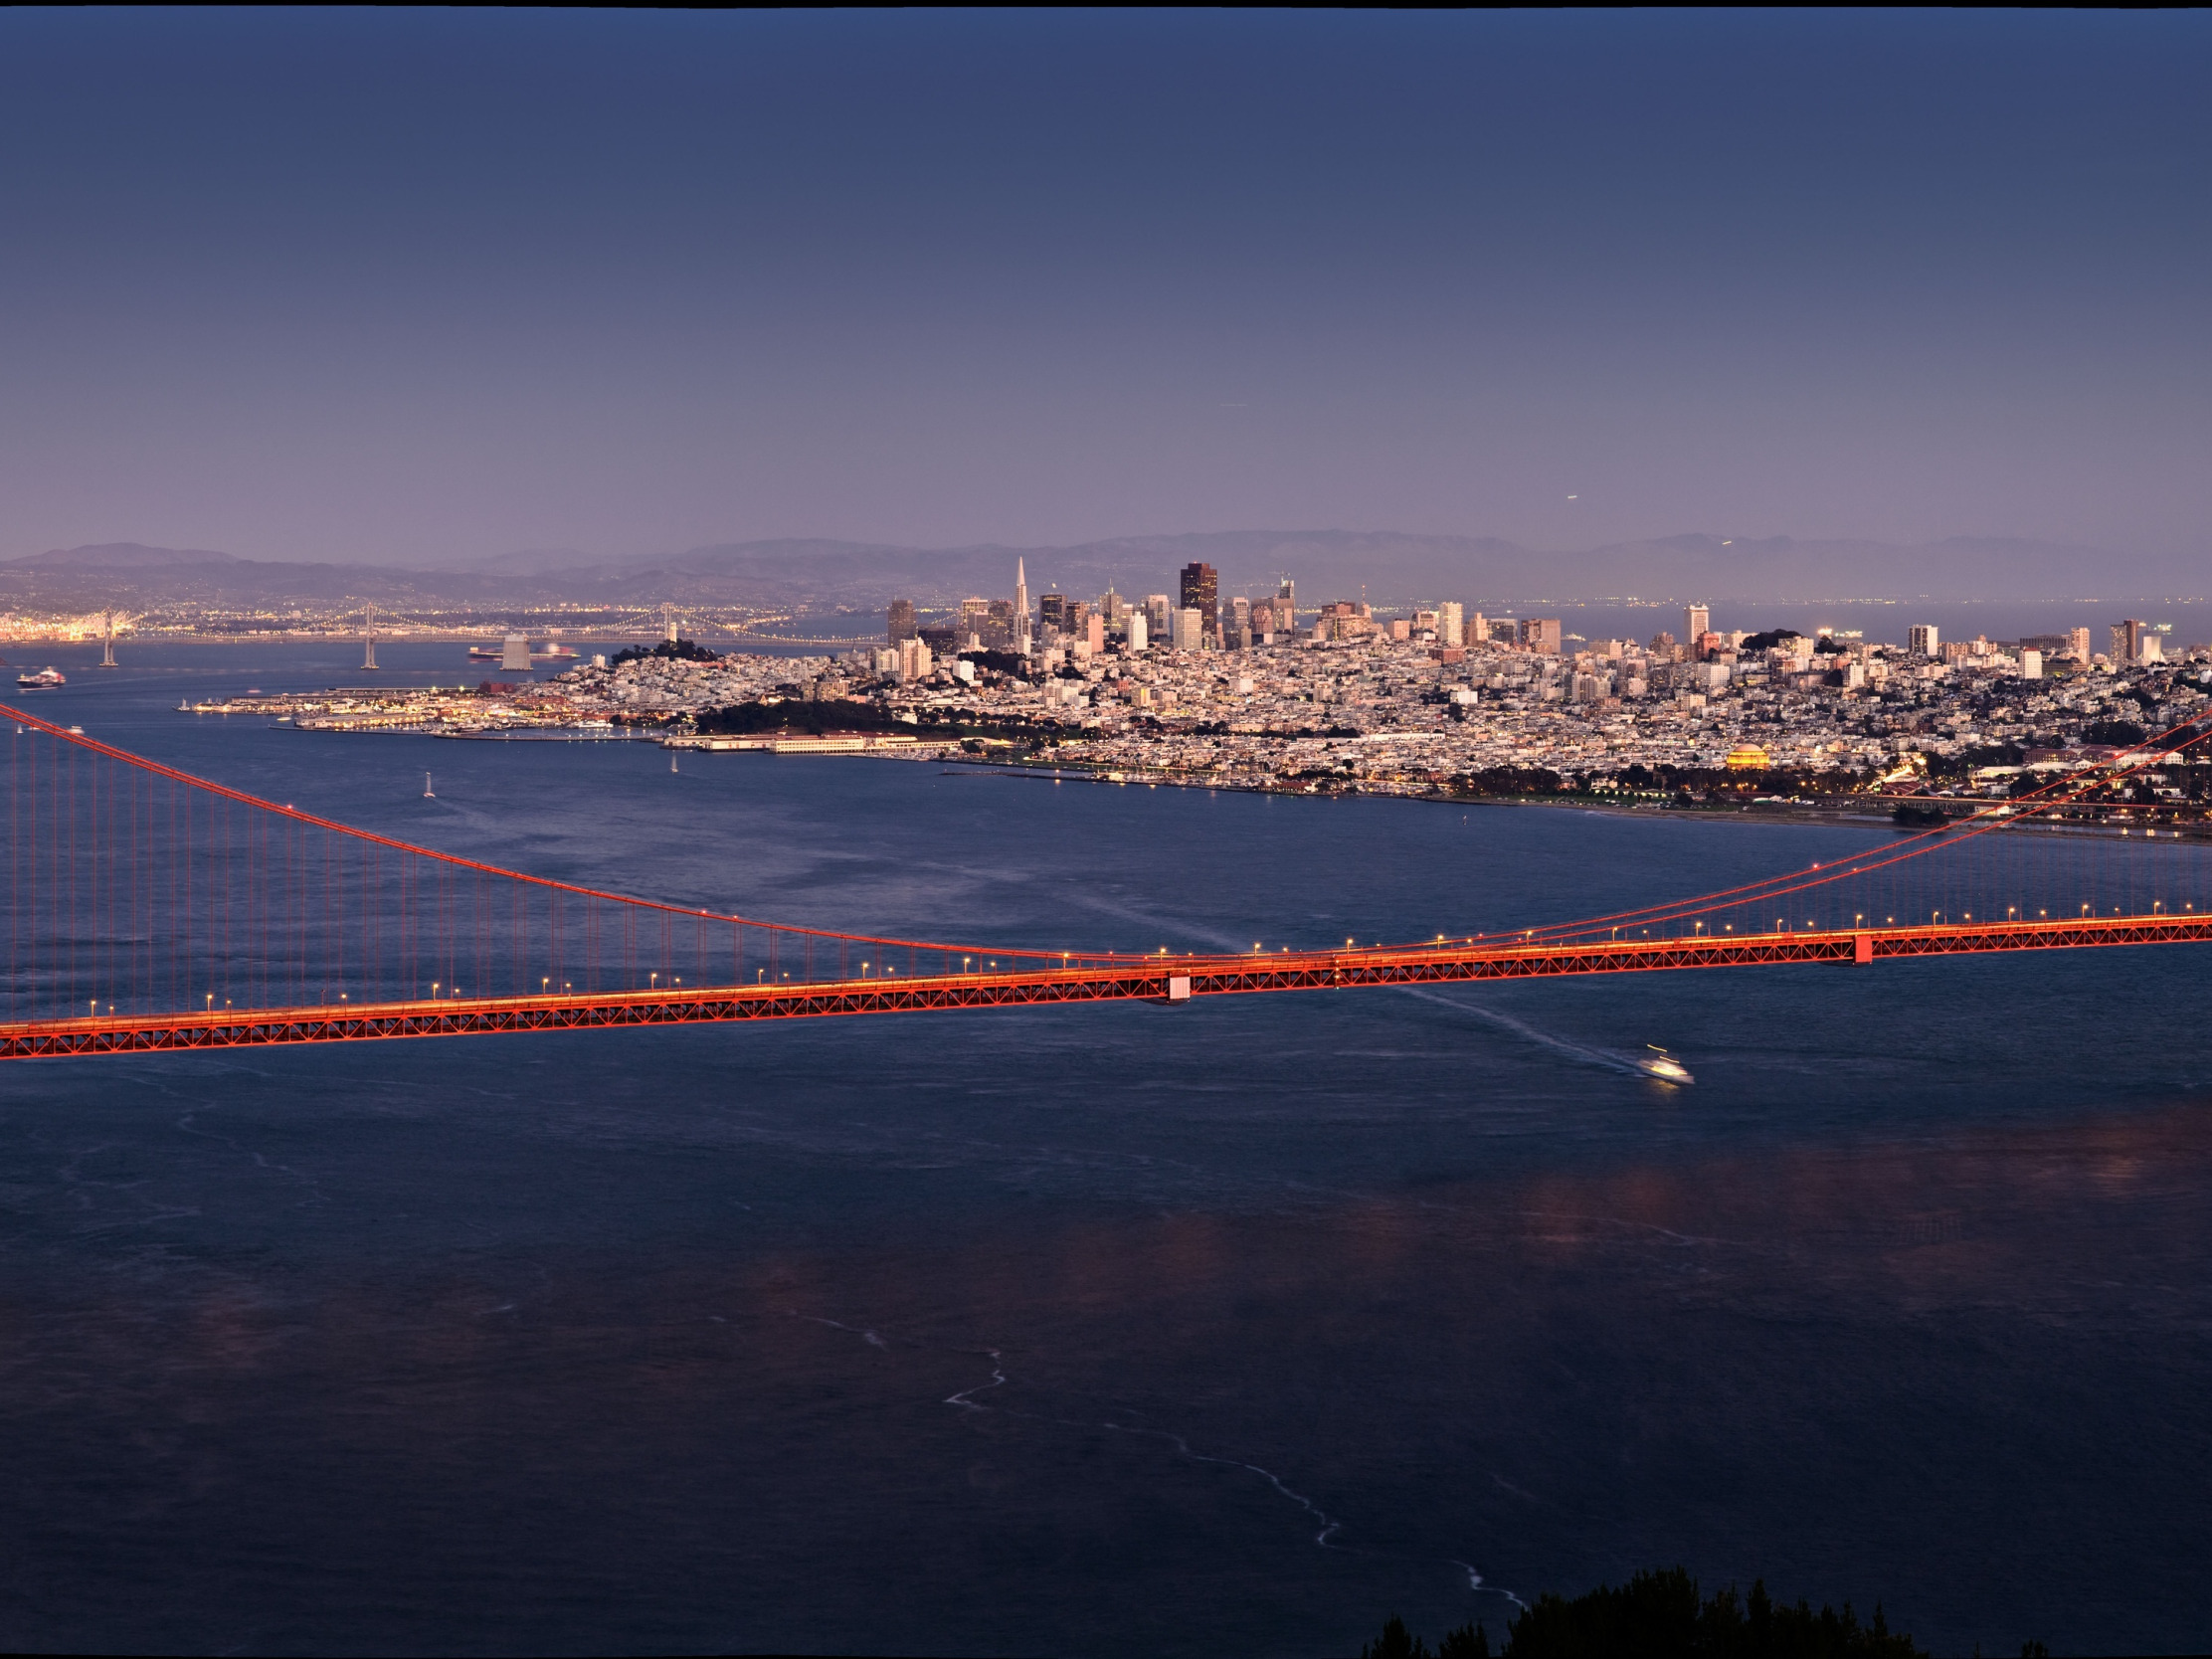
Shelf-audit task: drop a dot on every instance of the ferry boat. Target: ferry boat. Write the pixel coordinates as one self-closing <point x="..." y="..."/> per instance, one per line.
<point x="45" y="680"/>
<point x="1664" y="1066"/>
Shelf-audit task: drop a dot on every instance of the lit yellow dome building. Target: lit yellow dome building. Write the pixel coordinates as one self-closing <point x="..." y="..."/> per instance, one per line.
<point x="1749" y="757"/>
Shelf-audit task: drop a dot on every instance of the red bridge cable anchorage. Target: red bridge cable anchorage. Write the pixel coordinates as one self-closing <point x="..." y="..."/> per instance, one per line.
<point x="228" y="794"/>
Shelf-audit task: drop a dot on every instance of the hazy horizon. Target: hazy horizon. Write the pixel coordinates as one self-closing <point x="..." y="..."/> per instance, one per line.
<point x="413" y="290"/>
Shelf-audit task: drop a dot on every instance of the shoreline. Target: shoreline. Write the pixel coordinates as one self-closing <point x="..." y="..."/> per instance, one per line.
<point x="1766" y="813"/>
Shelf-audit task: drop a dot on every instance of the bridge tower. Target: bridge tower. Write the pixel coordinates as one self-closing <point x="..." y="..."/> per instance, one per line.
<point x="368" y="640"/>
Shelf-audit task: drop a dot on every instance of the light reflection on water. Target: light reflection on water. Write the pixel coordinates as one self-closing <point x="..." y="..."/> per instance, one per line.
<point x="1073" y="1330"/>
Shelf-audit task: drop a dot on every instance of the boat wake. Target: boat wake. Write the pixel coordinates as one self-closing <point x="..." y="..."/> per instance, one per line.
<point x="1655" y="1063"/>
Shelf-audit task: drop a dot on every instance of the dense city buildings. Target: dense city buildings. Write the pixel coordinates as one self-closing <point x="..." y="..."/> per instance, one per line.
<point x="1432" y="700"/>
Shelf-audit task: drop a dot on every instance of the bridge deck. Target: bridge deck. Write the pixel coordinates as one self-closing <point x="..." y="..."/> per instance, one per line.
<point x="1150" y="979"/>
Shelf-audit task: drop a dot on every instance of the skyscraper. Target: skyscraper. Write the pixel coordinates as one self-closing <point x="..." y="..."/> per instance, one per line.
<point x="1541" y="633"/>
<point x="975" y="620"/>
<point x="1451" y="622"/>
<point x="1695" y="620"/>
<point x="1021" y="609"/>
<point x="1925" y="639"/>
<point x="1201" y="592"/>
<point x="902" y="620"/>
<point x="2127" y="641"/>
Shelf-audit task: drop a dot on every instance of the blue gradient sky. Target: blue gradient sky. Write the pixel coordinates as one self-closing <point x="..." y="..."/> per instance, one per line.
<point x="410" y="287"/>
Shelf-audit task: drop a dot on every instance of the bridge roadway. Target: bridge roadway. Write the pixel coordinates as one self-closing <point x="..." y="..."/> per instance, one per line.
<point x="1155" y="978"/>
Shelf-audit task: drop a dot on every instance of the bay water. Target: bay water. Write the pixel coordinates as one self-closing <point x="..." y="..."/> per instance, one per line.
<point x="1227" y="1328"/>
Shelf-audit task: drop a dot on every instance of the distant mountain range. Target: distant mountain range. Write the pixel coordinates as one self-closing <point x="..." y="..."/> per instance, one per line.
<point x="1388" y="568"/>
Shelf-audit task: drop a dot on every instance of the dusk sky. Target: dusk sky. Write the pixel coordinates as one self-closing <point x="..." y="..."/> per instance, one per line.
<point x="418" y="286"/>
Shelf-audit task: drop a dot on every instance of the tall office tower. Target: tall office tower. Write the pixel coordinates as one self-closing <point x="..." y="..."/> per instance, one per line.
<point x="1190" y="628"/>
<point x="2078" y="640"/>
<point x="1160" y="617"/>
<point x="1451" y="622"/>
<point x="1094" y="632"/>
<point x="1541" y="633"/>
<point x="1695" y="620"/>
<point x="1477" y="631"/>
<point x="2127" y="641"/>
<point x="1052" y="613"/>
<point x="902" y="620"/>
<point x="1138" y="634"/>
<point x="1021" y="609"/>
<point x="1113" y="607"/>
<point x="1075" y="615"/>
<point x="1240" y="622"/>
<point x="668" y="622"/>
<point x="1201" y="592"/>
<point x="1286" y="607"/>
<point x="1925" y="639"/>
<point x="975" y="620"/>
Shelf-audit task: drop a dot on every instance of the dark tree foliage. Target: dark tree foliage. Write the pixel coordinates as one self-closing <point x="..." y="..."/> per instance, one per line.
<point x="673" y="650"/>
<point x="2120" y="734"/>
<point x="1770" y="639"/>
<point x="1978" y="755"/>
<point x="1513" y="780"/>
<point x="999" y="661"/>
<point x="797" y="715"/>
<point x="1919" y="818"/>
<point x="1394" y="1643"/>
<point x="1830" y="646"/>
<point x="1659" y="1615"/>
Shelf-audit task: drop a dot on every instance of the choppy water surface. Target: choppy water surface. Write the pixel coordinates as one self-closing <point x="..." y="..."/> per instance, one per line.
<point x="1230" y="1328"/>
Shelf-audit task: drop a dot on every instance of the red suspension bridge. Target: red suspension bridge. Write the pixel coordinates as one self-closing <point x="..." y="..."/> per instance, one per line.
<point x="151" y="910"/>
